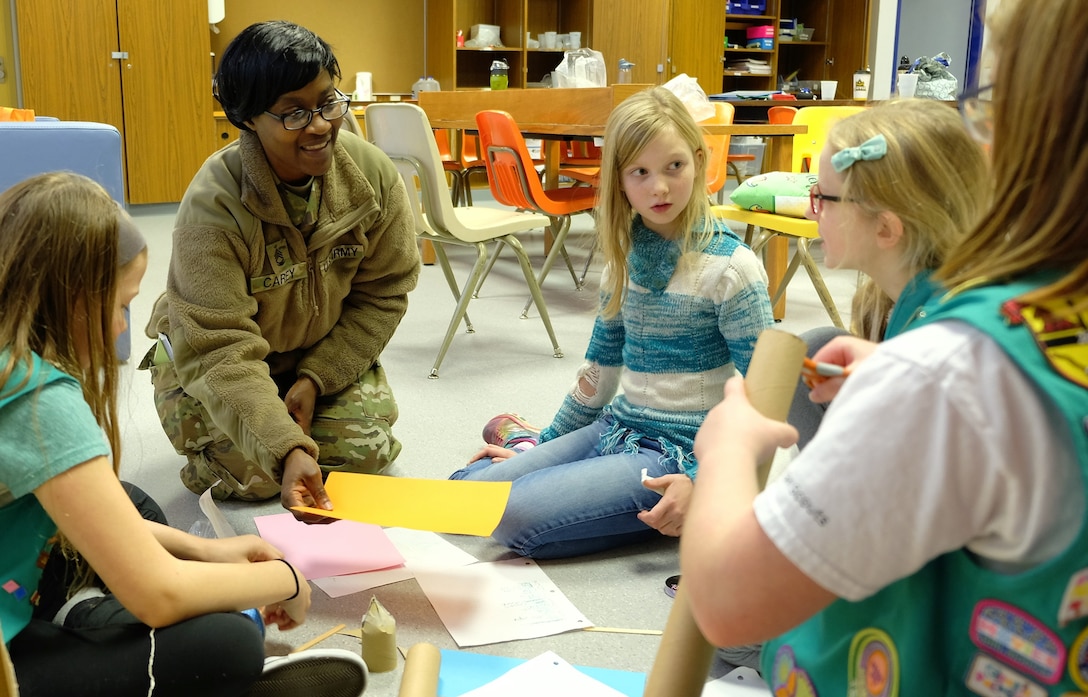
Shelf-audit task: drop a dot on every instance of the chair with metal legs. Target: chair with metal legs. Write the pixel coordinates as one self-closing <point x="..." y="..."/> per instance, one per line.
<point x="508" y="173"/>
<point x="403" y="132"/>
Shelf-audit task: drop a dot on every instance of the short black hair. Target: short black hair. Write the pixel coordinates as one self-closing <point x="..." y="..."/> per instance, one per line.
<point x="265" y="61"/>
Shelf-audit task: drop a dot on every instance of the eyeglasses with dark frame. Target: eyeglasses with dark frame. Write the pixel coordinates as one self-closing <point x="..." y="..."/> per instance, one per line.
<point x="977" y="108"/>
<point x="301" y="118"/>
<point x="816" y="199"/>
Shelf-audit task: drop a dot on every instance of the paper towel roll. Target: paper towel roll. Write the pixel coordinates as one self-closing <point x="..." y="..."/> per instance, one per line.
<point x="364" y="87"/>
<point x="216" y="11"/>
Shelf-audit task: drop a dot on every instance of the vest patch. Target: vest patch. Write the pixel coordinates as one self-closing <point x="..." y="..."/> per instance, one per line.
<point x="288" y="275"/>
<point x="874" y="665"/>
<point x="17" y="591"/>
<point x="1061" y="334"/>
<point x="278" y="256"/>
<point x="787" y="680"/>
<point x="989" y="678"/>
<point x="1019" y="639"/>
<point x="1078" y="660"/>
<point x="1075" y="599"/>
<point x="346" y="251"/>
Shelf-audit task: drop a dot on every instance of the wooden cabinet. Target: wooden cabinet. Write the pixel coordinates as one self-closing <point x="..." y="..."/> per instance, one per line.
<point x="469" y="68"/>
<point x="663" y="38"/>
<point x="839" y="44"/>
<point x="143" y="67"/>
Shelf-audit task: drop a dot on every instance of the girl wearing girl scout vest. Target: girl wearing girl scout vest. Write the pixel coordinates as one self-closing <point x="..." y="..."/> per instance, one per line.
<point x="170" y="623"/>
<point x="931" y="539"/>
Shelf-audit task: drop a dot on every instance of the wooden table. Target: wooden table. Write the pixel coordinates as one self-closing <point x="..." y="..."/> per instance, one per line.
<point x="557" y="114"/>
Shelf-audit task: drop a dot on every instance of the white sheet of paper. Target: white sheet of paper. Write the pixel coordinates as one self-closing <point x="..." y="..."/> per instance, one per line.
<point x="421" y="550"/>
<point x="491" y="602"/>
<point x="547" y="675"/>
<point x="739" y="682"/>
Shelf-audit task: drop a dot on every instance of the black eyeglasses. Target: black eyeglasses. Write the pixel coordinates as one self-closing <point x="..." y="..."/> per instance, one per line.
<point x="977" y="108"/>
<point x="300" y="118"/>
<point x="816" y="199"/>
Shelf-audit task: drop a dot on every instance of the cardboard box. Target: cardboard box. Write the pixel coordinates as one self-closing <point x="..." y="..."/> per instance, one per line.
<point x="762" y="44"/>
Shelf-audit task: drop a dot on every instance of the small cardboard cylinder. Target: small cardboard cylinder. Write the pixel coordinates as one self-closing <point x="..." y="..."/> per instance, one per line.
<point x="421" y="667"/>
<point x="684" y="655"/>
<point x="379" y="638"/>
<point x="772" y="379"/>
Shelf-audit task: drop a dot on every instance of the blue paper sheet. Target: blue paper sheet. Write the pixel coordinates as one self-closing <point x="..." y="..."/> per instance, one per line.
<point x="462" y="671"/>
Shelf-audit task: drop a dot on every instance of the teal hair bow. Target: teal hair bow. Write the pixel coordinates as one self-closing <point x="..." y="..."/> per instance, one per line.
<point x="872" y="149"/>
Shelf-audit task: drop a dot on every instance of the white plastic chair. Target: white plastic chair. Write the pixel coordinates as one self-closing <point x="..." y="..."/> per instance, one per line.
<point x="403" y="132"/>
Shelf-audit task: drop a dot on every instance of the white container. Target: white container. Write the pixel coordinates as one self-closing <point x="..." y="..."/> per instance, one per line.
<point x="828" y="88"/>
<point x="549" y="40"/>
<point x="861" y="84"/>
<point x="576" y="39"/>
<point x="908" y="84"/>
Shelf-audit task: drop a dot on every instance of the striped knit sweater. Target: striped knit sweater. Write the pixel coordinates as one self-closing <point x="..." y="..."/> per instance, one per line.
<point x="684" y="328"/>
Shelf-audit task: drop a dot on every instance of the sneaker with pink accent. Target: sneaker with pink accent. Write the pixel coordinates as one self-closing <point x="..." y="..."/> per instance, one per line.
<point x="511" y="431"/>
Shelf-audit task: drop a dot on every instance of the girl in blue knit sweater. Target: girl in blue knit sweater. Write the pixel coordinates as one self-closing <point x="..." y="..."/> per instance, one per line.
<point x="682" y="302"/>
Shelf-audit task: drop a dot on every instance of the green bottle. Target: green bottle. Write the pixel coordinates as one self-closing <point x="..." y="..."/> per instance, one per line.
<point x="500" y="75"/>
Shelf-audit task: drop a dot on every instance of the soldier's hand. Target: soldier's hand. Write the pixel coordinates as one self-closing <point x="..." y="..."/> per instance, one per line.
<point x="303" y="486"/>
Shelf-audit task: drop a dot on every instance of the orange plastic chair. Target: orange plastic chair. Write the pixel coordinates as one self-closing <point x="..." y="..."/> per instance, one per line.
<point x="580" y="161"/>
<point x="508" y="173"/>
<point x="781" y="114"/>
<point x="717" y="165"/>
<point x="453" y="166"/>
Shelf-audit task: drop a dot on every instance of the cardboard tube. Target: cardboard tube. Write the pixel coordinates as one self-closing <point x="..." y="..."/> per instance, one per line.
<point x="772" y="379"/>
<point x="684" y="656"/>
<point x="421" y="671"/>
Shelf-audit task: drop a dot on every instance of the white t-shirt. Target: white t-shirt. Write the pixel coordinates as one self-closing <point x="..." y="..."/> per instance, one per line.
<point x="937" y="442"/>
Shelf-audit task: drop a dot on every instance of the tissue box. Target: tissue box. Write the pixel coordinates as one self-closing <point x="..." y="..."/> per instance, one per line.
<point x="485" y="34"/>
<point x="764" y="31"/>
<point x="762" y="44"/>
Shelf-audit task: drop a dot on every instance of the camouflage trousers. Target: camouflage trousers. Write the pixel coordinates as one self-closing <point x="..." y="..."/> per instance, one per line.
<point x="353" y="430"/>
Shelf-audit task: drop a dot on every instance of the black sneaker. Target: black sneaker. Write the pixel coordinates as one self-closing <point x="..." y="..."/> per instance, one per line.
<point x="313" y="673"/>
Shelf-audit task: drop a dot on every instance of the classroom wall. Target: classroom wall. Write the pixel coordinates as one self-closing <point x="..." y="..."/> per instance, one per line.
<point x="384" y="38"/>
<point x="928" y="27"/>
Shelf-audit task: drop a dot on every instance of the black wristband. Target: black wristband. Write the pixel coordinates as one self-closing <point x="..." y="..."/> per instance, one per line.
<point x="294" y="575"/>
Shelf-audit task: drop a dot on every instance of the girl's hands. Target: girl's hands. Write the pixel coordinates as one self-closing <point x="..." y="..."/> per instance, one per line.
<point x="497" y="453"/>
<point x="734" y="426"/>
<point x="288" y="614"/>
<point x="845" y="351"/>
<point x="667" y="516"/>
<point x="239" y="549"/>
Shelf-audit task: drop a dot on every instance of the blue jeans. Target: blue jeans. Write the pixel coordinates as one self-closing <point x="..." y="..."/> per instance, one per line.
<point x="568" y="498"/>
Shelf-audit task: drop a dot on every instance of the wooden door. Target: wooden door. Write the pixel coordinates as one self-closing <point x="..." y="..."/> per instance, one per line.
<point x="848" y="42"/>
<point x="66" y="66"/>
<point x="635" y="30"/>
<point x="167" y="82"/>
<point x="696" y="28"/>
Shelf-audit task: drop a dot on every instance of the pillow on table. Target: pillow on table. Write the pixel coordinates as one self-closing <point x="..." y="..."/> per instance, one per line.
<point x="784" y="193"/>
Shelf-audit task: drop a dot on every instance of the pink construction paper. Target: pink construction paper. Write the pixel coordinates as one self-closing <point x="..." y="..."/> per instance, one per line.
<point x="340" y="547"/>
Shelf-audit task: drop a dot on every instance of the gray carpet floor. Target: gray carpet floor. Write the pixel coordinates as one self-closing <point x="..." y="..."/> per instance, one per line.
<point x="506" y="365"/>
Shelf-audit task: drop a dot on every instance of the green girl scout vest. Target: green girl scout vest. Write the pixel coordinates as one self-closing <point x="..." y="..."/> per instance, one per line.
<point x="954" y="628"/>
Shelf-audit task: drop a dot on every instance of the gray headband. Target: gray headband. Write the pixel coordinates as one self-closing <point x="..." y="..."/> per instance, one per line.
<point x="130" y="240"/>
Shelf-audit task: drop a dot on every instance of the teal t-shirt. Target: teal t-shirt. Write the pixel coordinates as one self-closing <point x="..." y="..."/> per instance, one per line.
<point x="46" y="428"/>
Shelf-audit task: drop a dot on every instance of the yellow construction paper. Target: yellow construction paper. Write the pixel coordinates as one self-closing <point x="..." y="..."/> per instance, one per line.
<point x="438" y="505"/>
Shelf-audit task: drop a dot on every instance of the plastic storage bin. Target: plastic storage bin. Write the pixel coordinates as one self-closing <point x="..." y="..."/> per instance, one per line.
<point x="746" y="7"/>
<point x="748" y="145"/>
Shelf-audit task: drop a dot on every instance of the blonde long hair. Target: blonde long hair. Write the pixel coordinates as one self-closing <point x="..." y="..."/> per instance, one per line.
<point x="934" y="178"/>
<point x="58" y="276"/>
<point x="631" y="127"/>
<point x="1040" y="153"/>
